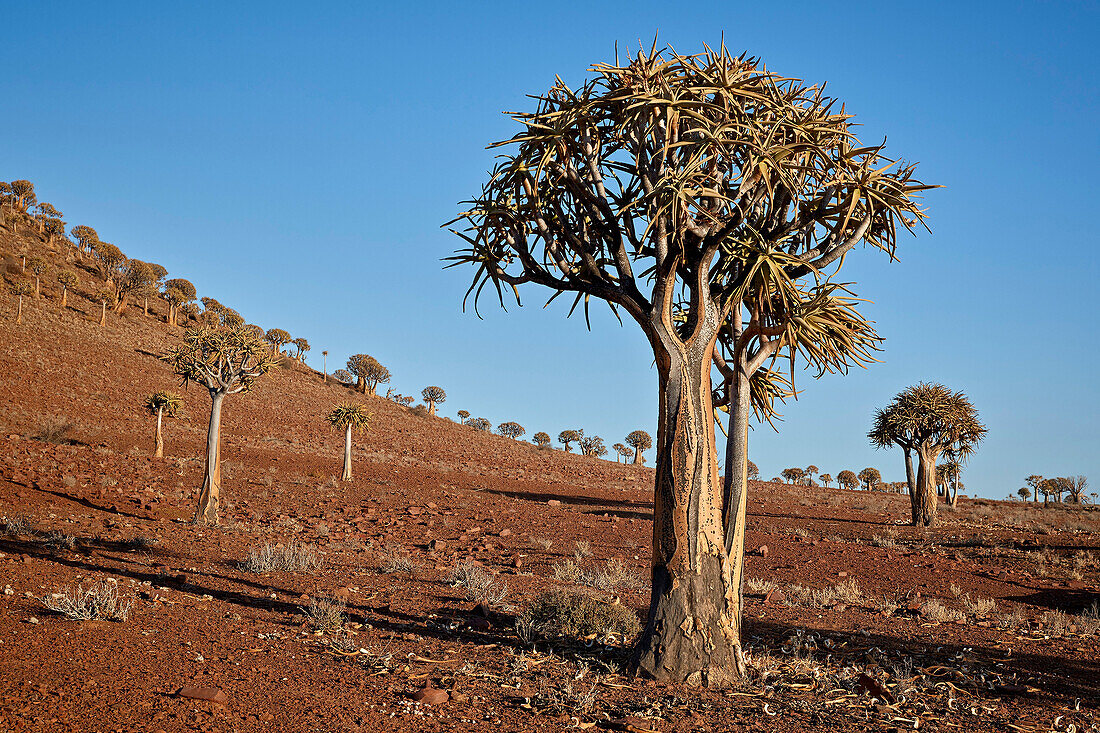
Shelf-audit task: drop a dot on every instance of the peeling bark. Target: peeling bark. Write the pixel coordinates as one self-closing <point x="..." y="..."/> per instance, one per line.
<point x="210" y="493"/>
<point x="924" y="502"/>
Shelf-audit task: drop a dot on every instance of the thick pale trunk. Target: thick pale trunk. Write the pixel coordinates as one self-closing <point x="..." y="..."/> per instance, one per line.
<point x="210" y="494"/>
<point x="159" y="452"/>
<point x="691" y="634"/>
<point x="64" y="297"/>
<point x="121" y="305"/>
<point x="19" y="311"/>
<point x="103" y="314"/>
<point x="910" y="480"/>
<point x="145" y="306"/>
<point x="639" y="459"/>
<point x="735" y="488"/>
<point x="431" y="408"/>
<point x="924" y="503"/>
<point x="347" y="453"/>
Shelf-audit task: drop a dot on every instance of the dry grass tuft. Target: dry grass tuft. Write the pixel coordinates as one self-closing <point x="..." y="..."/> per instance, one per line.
<point x="100" y="601"/>
<point x="575" y="613"/>
<point x="478" y="584"/>
<point x="325" y="614"/>
<point x="291" y="557"/>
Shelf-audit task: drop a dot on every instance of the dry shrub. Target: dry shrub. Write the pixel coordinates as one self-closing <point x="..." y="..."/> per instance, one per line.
<point x="890" y="539"/>
<point x="1056" y="623"/>
<point x="394" y="561"/>
<point x="575" y="613"/>
<point x="18" y="524"/>
<point x="54" y="430"/>
<point x="938" y="613"/>
<point x="100" y="601"/>
<point x="325" y="614"/>
<point x="56" y="540"/>
<point x="847" y="592"/>
<point x="566" y="698"/>
<point x="582" y="550"/>
<point x="291" y="557"/>
<point x="760" y="586"/>
<point x="419" y="411"/>
<point x="567" y="571"/>
<point x="1089" y="620"/>
<point x="478" y="584"/>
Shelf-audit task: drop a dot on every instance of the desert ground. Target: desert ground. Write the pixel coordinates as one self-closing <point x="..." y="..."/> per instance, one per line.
<point x="421" y="572"/>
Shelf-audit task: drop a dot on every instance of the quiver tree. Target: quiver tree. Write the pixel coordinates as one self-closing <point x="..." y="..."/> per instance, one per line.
<point x="826" y="479"/>
<point x="870" y="478"/>
<point x="566" y="437"/>
<point x="348" y="416"/>
<point x="324" y="365"/>
<point x="368" y="372"/>
<point x="68" y="280"/>
<point x="433" y="396"/>
<point x="225" y="361"/>
<point x="792" y="475"/>
<point x="85" y="237"/>
<point x="20" y="288"/>
<point x="753" y="472"/>
<point x="847" y="480"/>
<point x="343" y="376"/>
<point x="162" y="404"/>
<point x="541" y="439"/>
<point x="811" y="471"/>
<point x="592" y="445"/>
<point x="1024" y="493"/>
<point x="463" y="416"/>
<point x="135" y="278"/>
<point x="23" y="193"/>
<point x="1076" y="486"/>
<point x="927" y="419"/>
<point x="947" y="480"/>
<point x="109" y="260"/>
<point x="159" y="273"/>
<point x="1033" y="481"/>
<point x="640" y="441"/>
<point x="301" y="346"/>
<point x="177" y="293"/>
<point x="277" y="337"/>
<point x="480" y="423"/>
<point x="621" y="452"/>
<point x="232" y="319"/>
<point x="38" y="267"/>
<point x="706" y="173"/>
<point x="103" y="296"/>
<point x="511" y="430"/>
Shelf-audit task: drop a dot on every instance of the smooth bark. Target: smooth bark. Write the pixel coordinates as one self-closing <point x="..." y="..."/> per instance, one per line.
<point x="347" y="453"/>
<point x="159" y="453"/>
<point x="103" y="314"/>
<point x="19" y="310"/>
<point x="210" y="494"/>
<point x="64" y="297"/>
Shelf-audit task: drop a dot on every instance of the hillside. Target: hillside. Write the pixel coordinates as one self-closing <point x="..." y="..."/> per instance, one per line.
<point x="972" y="625"/>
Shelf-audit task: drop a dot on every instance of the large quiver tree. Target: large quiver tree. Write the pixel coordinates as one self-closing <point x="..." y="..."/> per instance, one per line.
<point x="348" y="417"/>
<point x="225" y="361"/>
<point x="928" y="419"/>
<point x="655" y="187"/>
<point x="433" y="396"/>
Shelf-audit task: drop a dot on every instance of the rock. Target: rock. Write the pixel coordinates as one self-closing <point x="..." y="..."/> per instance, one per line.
<point x="872" y="686"/>
<point x="517" y="561"/>
<point x="479" y="623"/>
<point x="553" y="502"/>
<point x="209" y="694"/>
<point x="437" y="545"/>
<point x="762" y="551"/>
<point x="431" y="696"/>
<point x="842" y="574"/>
<point x="504" y="533"/>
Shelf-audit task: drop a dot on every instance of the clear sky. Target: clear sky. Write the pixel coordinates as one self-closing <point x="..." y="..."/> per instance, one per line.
<point x="295" y="161"/>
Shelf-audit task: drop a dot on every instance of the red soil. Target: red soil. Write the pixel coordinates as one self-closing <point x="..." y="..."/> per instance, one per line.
<point x="437" y="493"/>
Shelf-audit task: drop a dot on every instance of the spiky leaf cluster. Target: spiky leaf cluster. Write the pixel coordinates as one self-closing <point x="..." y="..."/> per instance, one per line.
<point x="349" y="413"/>
<point x="480" y="423"/>
<point x="168" y="403"/>
<point x="930" y="416"/>
<point x="640" y="440"/>
<point x="511" y="430"/>
<point x="343" y="376"/>
<point x="224" y="360"/>
<point x="434" y="394"/>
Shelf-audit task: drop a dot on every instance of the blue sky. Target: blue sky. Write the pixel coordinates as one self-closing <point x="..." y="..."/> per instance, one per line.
<point x="296" y="160"/>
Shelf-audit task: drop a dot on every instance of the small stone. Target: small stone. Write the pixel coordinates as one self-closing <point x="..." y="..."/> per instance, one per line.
<point x="517" y="561"/>
<point x="504" y="533"/>
<point x="762" y="551"/>
<point x="431" y="696"/>
<point x="775" y="595"/>
<point x="209" y="694"/>
<point x="842" y="574"/>
<point x="553" y="502"/>
<point x="33" y="620"/>
<point x="437" y="545"/>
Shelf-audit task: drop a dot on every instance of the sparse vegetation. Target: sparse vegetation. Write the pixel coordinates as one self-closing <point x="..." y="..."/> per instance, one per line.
<point x="369" y="373"/>
<point x="479" y="585"/>
<point x="348" y="417"/>
<point x="100" y="601"/>
<point x="511" y="430"/>
<point x="162" y="404"/>
<point x="288" y="557"/>
<point x="578" y="614"/>
<point x="433" y="396"/>
<point x="325" y="614"/>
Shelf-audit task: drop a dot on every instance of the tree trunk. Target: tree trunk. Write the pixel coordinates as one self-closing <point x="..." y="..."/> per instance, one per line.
<point x="735" y="488"/>
<point x="121" y="305"/>
<point x="103" y="314"/>
<point x="37" y="287"/>
<point x="691" y="634"/>
<point x="64" y="296"/>
<point x="145" y="306"/>
<point x="159" y="453"/>
<point x="347" y="453"/>
<point x="210" y="494"/>
<point x="431" y="408"/>
<point x="639" y="459"/>
<point x="19" y="310"/>
<point x="910" y="479"/>
<point x="924" y="504"/>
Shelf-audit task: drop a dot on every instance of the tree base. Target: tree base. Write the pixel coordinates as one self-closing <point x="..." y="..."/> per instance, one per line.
<point x="691" y="636"/>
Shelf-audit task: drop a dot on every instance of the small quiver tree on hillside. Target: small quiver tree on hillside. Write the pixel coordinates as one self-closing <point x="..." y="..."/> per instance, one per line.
<point x="348" y="417"/>
<point x="566" y="437"/>
<point x="67" y="279"/>
<point x="225" y="361"/>
<point x="162" y="404"/>
<point x="19" y="289"/>
<point x="277" y="337"/>
<point x="38" y="267"/>
<point x="847" y="479"/>
<point x="640" y="441"/>
<point x="870" y="478"/>
<point x="369" y="373"/>
<point x="1076" y="486"/>
<point x="463" y="416"/>
<point x="343" y="376"/>
<point x="927" y="419"/>
<point x="541" y="439"/>
<point x="752" y="471"/>
<point x="621" y="452"/>
<point x="433" y="396"/>
<point x="480" y="423"/>
<point x="792" y="475"/>
<point x="104" y="295"/>
<point x="511" y="430"/>
<point x="826" y="479"/>
<point x="301" y="346"/>
<point x="177" y="293"/>
<point x="85" y="238"/>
